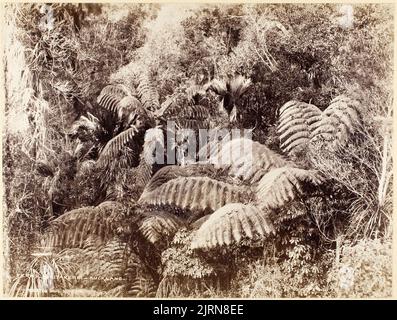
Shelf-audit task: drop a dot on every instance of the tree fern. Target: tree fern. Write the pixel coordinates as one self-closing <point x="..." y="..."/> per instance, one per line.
<point x="283" y="185"/>
<point x="231" y="223"/>
<point x="196" y="193"/>
<point x="97" y="263"/>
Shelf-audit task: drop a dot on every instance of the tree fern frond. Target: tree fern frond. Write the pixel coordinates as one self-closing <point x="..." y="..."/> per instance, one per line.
<point x="142" y="287"/>
<point x="114" y="146"/>
<point x="72" y="228"/>
<point x="168" y="173"/>
<point x="230" y="224"/>
<point x="158" y="225"/>
<point x="339" y="121"/>
<point x="199" y="222"/>
<point x="295" y="125"/>
<point x="128" y="106"/>
<point x="246" y="159"/>
<point x="196" y="193"/>
<point x="147" y="94"/>
<point x="110" y="96"/>
<point x="283" y="185"/>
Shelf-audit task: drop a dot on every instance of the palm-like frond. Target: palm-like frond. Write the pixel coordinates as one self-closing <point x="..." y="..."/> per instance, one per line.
<point x="238" y="86"/>
<point x="230" y="91"/>
<point x="283" y="185"/>
<point x="196" y="193"/>
<point x="158" y="225"/>
<point x="230" y="224"/>
<point x="295" y="126"/>
<point x="72" y="228"/>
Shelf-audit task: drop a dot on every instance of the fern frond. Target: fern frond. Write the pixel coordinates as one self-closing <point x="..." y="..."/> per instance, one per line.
<point x="115" y="145"/>
<point x="246" y="159"/>
<point x="231" y="223"/>
<point x="158" y="225"/>
<point x="147" y="94"/>
<point x="142" y="287"/>
<point x="168" y="173"/>
<point x="295" y="125"/>
<point x="196" y="193"/>
<point x="72" y="228"/>
<point x="283" y="185"/>
<point x="236" y="86"/>
<point x="339" y="121"/>
<point x="129" y="107"/>
<point x="110" y="96"/>
<point x="187" y="116"/>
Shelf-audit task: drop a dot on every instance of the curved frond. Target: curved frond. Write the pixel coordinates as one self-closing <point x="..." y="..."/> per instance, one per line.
<point x="339" y="121"/>
<point x="72" y="228"/>
<point x="283" y="185"/>
<point x="168" y="173"/>
<point x="238" y="86"/>
<point x="246" y="159"/>
<point x="295" y="125"/>
<point x="196" y="193"/>
<point x="129" y="108"/>
<point x="110" y="96"/>
<point x="147" y="93"/>
<point x="230" y="224"/>
<point x="158" y="225"/>
<point x="114" y="146"/>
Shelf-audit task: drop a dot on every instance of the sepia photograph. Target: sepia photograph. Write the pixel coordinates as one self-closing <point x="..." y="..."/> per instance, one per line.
<point x="197" y="151"/>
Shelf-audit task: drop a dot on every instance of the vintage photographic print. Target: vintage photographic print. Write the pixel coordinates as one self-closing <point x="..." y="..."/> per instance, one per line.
<point x="197" y="150"/>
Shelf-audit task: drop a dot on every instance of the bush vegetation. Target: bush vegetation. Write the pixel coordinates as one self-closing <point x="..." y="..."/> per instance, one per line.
<point x="89" y="89"/>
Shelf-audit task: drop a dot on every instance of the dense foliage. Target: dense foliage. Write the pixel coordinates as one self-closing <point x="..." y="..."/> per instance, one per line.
<point x="88" y="92"/>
